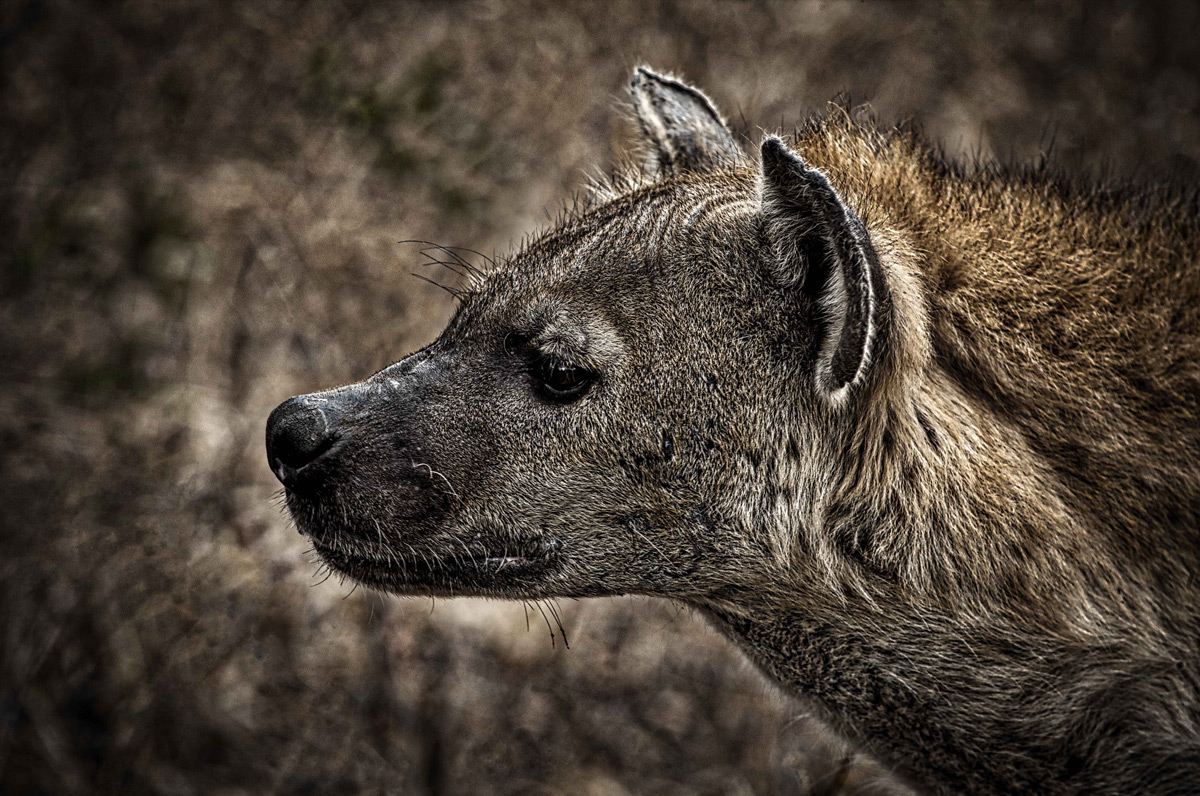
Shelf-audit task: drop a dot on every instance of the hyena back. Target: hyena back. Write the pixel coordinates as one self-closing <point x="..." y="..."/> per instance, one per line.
<point x="925" y="443"/>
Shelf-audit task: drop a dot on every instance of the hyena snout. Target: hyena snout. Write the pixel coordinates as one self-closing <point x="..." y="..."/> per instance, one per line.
<point x="359" y="457"/>
<point x="300" y="432"/>
<point x="320" y="444"/>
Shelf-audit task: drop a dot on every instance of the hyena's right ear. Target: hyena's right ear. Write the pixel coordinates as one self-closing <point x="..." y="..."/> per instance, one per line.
<point x="680" y="125"/>
<point x="822" y="248"/>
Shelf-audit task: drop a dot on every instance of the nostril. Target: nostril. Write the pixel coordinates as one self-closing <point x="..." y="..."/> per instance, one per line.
<point x="297" y="435"/>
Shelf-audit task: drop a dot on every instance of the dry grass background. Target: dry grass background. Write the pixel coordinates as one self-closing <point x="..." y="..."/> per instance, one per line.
<point x="200" y="209"/>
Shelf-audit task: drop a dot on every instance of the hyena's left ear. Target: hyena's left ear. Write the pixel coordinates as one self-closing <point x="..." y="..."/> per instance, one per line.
<point x="822" y="248"/>
<point x="681" y="126"/>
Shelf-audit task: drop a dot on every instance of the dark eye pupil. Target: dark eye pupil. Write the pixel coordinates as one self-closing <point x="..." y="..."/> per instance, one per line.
<point x="563" y="382"/>
<point x="561" y="378"/>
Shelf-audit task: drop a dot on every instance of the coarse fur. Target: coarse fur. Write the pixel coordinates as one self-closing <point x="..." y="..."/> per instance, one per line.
<point x="923" y="440"/>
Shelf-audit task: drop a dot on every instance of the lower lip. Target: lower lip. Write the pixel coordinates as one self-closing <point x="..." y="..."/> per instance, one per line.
<point x="365" y="568"/>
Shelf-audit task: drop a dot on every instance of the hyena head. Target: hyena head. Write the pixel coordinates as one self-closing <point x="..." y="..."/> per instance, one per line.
<point x="619" y="408"/>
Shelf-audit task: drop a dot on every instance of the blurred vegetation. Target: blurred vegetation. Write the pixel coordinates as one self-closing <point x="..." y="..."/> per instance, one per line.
<point x="201" y="204"/>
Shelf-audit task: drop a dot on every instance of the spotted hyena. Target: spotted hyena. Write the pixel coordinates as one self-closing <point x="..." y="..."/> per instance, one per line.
<point x="925" y="443"/>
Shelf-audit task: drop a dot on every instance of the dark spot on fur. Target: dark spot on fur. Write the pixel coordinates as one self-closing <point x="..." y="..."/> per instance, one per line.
<point x="701" y="518"/>
<point x="636" y="523"/>
<point x="930" y="434"/>
<point x="1073" y="765"/>
<point x="700" y="442"/>
<point x="889" y="441"/>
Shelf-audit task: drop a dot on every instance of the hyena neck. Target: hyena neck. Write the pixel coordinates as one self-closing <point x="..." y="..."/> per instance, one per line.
<point x="957" y="705"/>
<point x="935" y="601"/>
<point x="875" y="693"/>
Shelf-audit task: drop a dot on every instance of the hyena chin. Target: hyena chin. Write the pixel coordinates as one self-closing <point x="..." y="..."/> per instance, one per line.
<point x="925" y="443"/>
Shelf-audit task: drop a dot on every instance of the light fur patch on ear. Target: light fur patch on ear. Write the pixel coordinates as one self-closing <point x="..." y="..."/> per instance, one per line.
<point x="682" y="128"/>
<point x="823" y="249"/>
<point x="844" y="361"/>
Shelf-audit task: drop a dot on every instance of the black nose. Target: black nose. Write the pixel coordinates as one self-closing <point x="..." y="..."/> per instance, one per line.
<point x="298" y="434"/>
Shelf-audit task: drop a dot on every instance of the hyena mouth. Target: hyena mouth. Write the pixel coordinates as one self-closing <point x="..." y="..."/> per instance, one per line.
<point x="480" y="566"/>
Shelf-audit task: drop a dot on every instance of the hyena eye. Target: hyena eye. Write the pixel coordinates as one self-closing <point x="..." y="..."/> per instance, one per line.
<point x="559" y="382"/>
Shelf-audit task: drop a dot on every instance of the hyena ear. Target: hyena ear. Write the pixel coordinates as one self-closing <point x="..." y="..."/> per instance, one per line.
<point x="822" y="248"/>
<point x="683" y="130"/>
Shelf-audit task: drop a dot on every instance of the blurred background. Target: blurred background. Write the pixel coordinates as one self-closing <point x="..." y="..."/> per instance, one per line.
<point x="201" y="205"/>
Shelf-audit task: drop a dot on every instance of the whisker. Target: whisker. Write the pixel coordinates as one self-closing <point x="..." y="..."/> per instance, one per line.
<point x="458" y="294"/>
<point x="472" y="269"/>
<point x="328" y="575"/>
<point x="451" y="250"/>
<point x="538" y="605"/>
<point x="554" y="611"/>
<point x="452" y="267"/>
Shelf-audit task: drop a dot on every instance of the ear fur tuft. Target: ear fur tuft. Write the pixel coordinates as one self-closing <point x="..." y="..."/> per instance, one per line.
<point x="822" y="248"/>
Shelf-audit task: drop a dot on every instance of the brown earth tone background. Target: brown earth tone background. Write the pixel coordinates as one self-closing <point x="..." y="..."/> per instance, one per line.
<point x="201" y="205"/>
